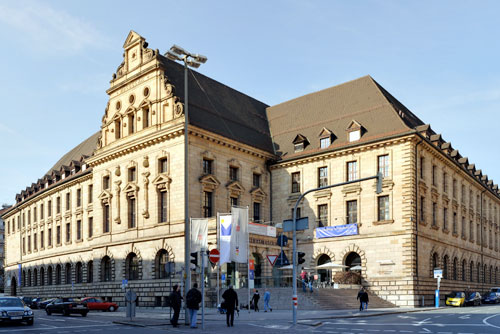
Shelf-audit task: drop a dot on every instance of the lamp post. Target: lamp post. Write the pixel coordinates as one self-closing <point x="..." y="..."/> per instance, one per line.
<point x="190" y="60"/>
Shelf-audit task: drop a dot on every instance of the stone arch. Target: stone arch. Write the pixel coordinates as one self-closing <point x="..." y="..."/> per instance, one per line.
<point x="434" y="261"/>
<point x="113" y="264"/>
<point x="170" y="253"/>
<point x="353" y="248"/>
<point x="139" y="260"/>
<point x="320" y="251"/>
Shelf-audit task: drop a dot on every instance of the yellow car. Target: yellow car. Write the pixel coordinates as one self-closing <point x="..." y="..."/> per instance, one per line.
<point x="455" y="299"/>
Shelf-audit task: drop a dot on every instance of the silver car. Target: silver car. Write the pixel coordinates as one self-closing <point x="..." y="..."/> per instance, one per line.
<point x="12" y="309"/>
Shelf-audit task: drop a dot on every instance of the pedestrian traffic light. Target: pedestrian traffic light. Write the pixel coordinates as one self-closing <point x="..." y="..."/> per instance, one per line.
<point x="300" y="257"/>
<point x="194" y="260"/>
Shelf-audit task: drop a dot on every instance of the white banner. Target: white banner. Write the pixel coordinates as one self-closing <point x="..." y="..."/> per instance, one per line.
<point x="260" y="229"/>
<point x="199" y="232"/>
<point x="225" y="238"/>
<point x="239" y="235"/>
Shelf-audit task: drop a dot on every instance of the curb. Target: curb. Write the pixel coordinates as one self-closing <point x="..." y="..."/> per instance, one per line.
<point x="136" y="324"/>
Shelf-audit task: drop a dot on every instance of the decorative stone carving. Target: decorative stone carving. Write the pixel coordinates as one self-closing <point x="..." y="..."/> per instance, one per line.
<point x="118" y="189"/>
<point x="145" y="162"/>
<point x="145" y="212"/>
<point x="117" y="171"/>
<point x="209" y="182"/>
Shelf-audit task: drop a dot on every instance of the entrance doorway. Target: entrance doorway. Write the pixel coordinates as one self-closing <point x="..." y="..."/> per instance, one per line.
<point x="324" y="275"/>
<point x="352" y="260"/>
<point x="13" y="287"/>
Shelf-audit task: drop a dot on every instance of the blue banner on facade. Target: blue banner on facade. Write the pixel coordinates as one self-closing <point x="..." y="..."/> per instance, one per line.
<point x="336" y="231"/>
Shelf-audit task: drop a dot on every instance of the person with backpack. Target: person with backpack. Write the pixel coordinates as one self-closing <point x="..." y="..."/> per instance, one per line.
<point x="175" y="304"/>
<point x="193" y="300"/>
<point x="230" y="304"/>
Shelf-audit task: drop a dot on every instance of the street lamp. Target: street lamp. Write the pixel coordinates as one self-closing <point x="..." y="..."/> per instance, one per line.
<point x="177" y="53"/>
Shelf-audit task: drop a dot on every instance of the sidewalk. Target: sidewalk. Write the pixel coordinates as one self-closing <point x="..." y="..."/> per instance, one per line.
<point x="305" y="317"/>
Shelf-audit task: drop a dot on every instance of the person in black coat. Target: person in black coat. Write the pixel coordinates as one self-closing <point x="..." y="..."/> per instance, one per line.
<point x="175" y="304"/>
<point x="255" y="300"/>
<point x="363" y="299"/>
<point x="193" y="300"/>
<point x="231" y="303"/>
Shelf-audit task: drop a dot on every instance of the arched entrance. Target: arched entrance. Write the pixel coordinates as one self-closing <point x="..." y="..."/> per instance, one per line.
<point x="13" y="286"/>
<point x="352" y="260"/>
<point x="324" y="275"/>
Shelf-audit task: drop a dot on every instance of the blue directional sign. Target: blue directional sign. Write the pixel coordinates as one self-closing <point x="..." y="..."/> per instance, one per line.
<point x="302" y="224"/>
<point x="282" y="260"/>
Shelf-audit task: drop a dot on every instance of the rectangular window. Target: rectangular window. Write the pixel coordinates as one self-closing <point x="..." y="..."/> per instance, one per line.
<point x="256" y="212"/>
<point x="352" y="170"/>
<point x="163" y="206"/>
<point x="298" y="213"/>
<point x="78" y="230"/>
<point x="145" y="117"/>
<point x="445" y="219"/>
<point x="58" y="205"/>
<point x="323" y="215"/>
<point x="296" y="182"/>
<point x="41" y="211"/>
<point x="118" y="129"/>
<point x="233" y="173"/>
<point x="434" y="176"/>
<point x="91" y="195"/>
<point x="24" y="246"/>
<point x="68" y="232"/>
<point x="132" y="174"/>
<point x="352" y="212"/>
<point x="422" y="161"/>
<point x="454" y="190"/>
<point x="422" y="209"/>
<point x="324" y="142"/>
<point x="68" y="200"/>
<point x="322" y="176"/>
<point x="471" y="231"/>
<point x="207" y="204"/>
<point x="131" y="123"/>
<point x="105" y="222"/>
<point x="383" y="208"/>
<point x="445" y="183"/>
<point x="463" y="227"/>
<point x="463" y="194"/>
<point x="256" y="180"/>
<point x="383" y="165"/>
<point x="49" y="209"/>
<point x="91" y="227"/>
<point x="478" y="234"/>
<point x="49" y="241"/>
<point x="78" y="197"/>
<point x="34" y="214"/>
<point x="163" y="165"/>
<point x="29" y="216"/>
<point x="42" y="239"/>
<point x="455" y="229"/>
<point x="58" y="235"/>
<point x="131" y="213"/>
<point x="234" y="201"/>
<point x="35" y="246"/>
<point x="434" y="214"/>
<point x="207" y="166"/>
<point x="105" y="182"/>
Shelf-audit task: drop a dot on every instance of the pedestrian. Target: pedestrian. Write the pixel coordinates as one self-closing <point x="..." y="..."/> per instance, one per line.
<point x="175" y="304"/>
<point x="230" y="303"/>
<point x="305" y="283"/>
<point x="267" y="298"/>
<point x="363" y="299"/>
<point x="311" y="281"/>
<point x="193" y="299"/>
<point x="255" y="300"/>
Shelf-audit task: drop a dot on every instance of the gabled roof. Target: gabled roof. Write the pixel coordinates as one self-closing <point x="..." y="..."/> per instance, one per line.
<point x="86" y="147"/>
<point x="335" y="108"/>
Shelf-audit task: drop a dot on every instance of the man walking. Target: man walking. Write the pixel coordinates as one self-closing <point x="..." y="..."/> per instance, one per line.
<point x="363" y="299"/>
<point x="231" y="303"/>
<point x="267" y="298"/>
<point x="255" y="300"/>
<point x="175" y="304"/>
<point x="193" y="299"/>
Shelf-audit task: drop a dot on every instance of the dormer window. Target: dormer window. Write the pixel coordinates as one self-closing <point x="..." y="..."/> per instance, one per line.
<point x="299" y="143"/>
<point x="354" y="131"/>
<point x="324" y="142"/>
<point x="298" y="147"/>
<point x="355" y="135"/>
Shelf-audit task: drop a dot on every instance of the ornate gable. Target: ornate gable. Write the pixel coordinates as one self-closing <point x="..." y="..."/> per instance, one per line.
<point x="235" y="188"/>
<point x="258" y="194"/>
<point x="105" y="197"/>
<point x="136" y="53"/>
<point x="209" y="182"/>
<point x="131" y="189"/>
<point x="162" y="182"/>
<point x="325" y="133"/>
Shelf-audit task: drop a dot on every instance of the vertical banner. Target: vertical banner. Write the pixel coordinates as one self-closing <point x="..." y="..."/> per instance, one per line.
<point x="239" y="235"/>
<point x="199" y="232"/>
<point x="225" y="238"/>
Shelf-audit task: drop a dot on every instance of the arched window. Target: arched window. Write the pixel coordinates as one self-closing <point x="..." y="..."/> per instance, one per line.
<point x="29" y="277"/>
<point x="455" y="269"/>
<point x="435" y="261"/>
<point x="67" y="273"/>
<point x="132" y="267"/>
<point x="24" y="278"/>
<point x="471" y="271"/>
<point x="49" y="275"/>
<point x="78" y="272"/>
<point x="160" y="262"/>
<point x="58" y="274"/>
<point x="464" y="265"/>
<point x="35" y="277"/>
<point x="42" y="276"/>
<point x="485" y="269"/>
<point x="478" y="273"/>
<point x="90" y="271"/>
<point x="106" y="269"/>
<point x="496" y="274"/>
<point x="445" y="267"/>
<point x="491" y="274"/>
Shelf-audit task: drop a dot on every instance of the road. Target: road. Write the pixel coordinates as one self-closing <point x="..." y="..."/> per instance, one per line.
<point x="471" y="320"/>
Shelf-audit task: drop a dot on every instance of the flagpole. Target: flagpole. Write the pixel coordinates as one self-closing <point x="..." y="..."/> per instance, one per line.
<point x="248" y="262"/>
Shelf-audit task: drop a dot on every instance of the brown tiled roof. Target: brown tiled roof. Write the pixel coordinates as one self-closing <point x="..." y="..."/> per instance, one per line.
<point x="221" y="109"/>
<point x="362" y="100"/>
<point x="86" y="147"/>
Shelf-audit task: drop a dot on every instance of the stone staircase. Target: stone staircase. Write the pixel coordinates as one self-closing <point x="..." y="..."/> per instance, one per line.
<point x="337" y="299"/>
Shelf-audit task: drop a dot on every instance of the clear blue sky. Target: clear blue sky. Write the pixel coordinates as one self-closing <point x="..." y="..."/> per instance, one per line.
<point x="439" y="58"/>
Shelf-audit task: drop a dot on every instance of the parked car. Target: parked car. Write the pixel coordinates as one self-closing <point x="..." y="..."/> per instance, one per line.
<point x="27" y="301"/>
<point x="455" y="298"/>
<point x="43" y="304"/>
<point x="495" y="289"/>
<point x="491" y="298"/>
<point x="474" y="299"/>
<point x="66" y="306"/>
<point x="12" y="309"/>
<point x="94" y="303"/>
<point x="34" y="303"/>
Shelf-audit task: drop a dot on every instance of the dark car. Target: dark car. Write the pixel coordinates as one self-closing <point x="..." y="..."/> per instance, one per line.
<point x="12" y="309"/>
<point x="491" y="298"/>
<point x="34" y="303"/>
<point x="67" y="306"/>
<point x="474" y="299"/>
<point x="43" y="304"/>
<point x="28" y="301"/>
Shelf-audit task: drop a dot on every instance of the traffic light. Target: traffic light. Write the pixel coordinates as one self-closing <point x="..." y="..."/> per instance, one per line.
<point x="194" y="260"/>
<point x="300" y="257"/>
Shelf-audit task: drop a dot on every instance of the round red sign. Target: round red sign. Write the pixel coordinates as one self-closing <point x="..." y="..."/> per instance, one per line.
<point x="214" y="255"/>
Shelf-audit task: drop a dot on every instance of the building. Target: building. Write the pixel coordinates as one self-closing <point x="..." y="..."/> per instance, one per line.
<point x="4" y="208"/>
<point x="113" y="207"/>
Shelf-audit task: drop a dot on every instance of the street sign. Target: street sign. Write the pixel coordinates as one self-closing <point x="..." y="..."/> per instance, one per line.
<point x="170" y="267"/>
<point x="124" y="283"/>
<point x="282" y="240"/>
<point x="438" y="273"/>
<point x="214" y="255"/>
<point x="223" y="278"/>
<point x="251" y="264"/>
<point x="302" y="224"/>
<point x="282" y="260"/>
<point x="272" y="259"/>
